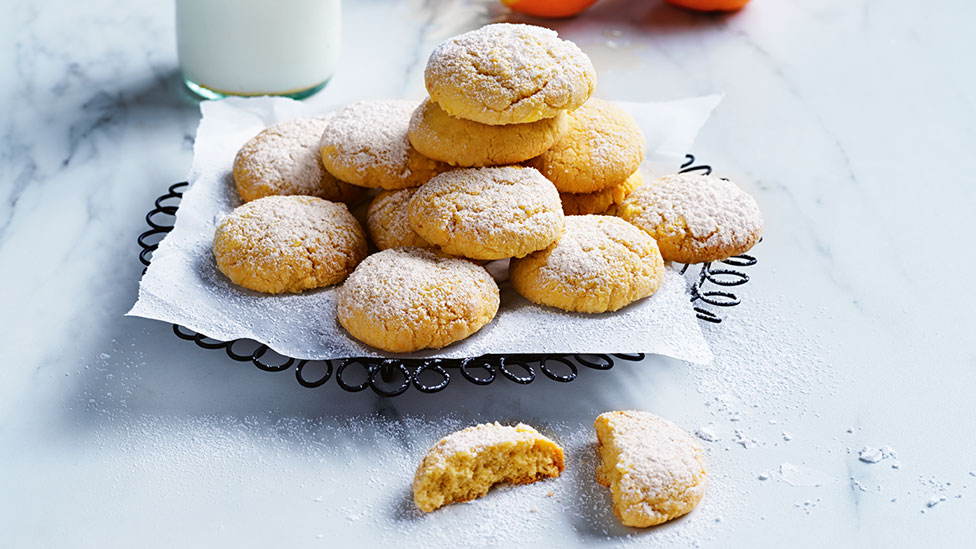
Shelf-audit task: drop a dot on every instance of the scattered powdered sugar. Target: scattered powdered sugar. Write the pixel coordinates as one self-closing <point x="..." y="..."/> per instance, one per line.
<point x="356" y="468"/>
<point x="799" y="475"/>
<point x="870" y="455"/>
<point x="707" y="434"/>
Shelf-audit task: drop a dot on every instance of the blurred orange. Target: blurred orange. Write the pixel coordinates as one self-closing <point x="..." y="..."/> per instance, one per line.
<point x="710" y="5"/>
<point x="549" y="8"/>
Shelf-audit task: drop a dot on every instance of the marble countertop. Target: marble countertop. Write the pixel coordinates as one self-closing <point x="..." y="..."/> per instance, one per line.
<point x="850" y="121"/>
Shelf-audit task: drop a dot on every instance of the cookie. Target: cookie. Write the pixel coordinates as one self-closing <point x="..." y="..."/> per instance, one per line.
<point x="603" y="202"/>
<point x="488" y="213"/>
<point x="695" y="218"/>
<point x="406" y="299"/>
<point x="464" y="465"/>
<point x="282" y="244"/>
<point x="366" y="144"/>
<point x="387" y="221"/>
<point x="654" y="469"/>
<point x="461" y="142"/>
<point x="600" y="264"/>
<point x="602" y="148"/>
<point x="508" y="74"/>
<point x="283" y="159"/>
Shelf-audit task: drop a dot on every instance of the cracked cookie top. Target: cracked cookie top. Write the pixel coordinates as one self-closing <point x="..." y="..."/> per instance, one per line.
<point x="406" y="299"/>
<point x="282" y="244"/>
<point x="284" y="160"/>
<point x="602" y="148"/>
<point x="600" y="264"/>
<point x="387" y="222"/>
<point x="488" y="213"/>
<point x="366" y="144"/>
<point x="508" y="74"/>
<point x="695" y="218"/>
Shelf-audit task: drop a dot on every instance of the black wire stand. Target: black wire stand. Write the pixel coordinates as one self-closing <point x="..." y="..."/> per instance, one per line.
<point x="392" y="377"/>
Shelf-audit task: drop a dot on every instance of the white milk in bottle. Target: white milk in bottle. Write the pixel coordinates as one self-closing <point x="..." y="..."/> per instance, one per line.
<point x="257" y="47"/>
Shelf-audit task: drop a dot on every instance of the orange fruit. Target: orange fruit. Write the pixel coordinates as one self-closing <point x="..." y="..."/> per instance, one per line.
<point x="710" y="5"/>
<point x="549" y="8"/>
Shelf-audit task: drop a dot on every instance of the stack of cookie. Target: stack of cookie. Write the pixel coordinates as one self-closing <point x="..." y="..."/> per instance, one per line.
<point x="509" y="94"/>
<point x="487" y="168"/>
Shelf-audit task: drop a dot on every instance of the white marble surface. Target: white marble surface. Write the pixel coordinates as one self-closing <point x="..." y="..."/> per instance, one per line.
<point x="851" y="121"/>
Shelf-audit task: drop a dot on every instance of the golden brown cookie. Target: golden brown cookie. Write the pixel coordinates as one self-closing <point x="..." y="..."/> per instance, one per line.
<point x="461" y="142"/>
<point x="695" y="218"/>
<point x="407" y="299"/>
<point x="283" y="159"/>
<point x="603" y="202"/>
<point x="654" y="469"/>
<point x="366" y="144"/>
<point x="508" y="74"/>
<point x="387" y="221"/>
<point x="602" y="148"/>
<point x="600" y="264"/>
<point x="465" y="465"/>
<point x="288" y="244"/>
<point x="488" y="213"/>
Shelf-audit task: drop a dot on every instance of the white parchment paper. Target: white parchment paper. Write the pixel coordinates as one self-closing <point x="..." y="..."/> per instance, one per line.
<point x="183" y="285"/>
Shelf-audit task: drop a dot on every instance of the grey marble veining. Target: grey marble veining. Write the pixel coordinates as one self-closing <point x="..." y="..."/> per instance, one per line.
<point x="851" y="122"/>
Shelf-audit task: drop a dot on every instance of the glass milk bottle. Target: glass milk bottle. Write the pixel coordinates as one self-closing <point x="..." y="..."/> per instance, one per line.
<point x="257" y="47"/>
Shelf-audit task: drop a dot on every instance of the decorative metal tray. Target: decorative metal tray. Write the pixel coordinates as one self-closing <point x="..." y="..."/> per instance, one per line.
<point x="392" y="377"/>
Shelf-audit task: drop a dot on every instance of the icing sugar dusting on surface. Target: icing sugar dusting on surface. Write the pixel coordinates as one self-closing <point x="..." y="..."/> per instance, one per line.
<point x="306" y="468"/>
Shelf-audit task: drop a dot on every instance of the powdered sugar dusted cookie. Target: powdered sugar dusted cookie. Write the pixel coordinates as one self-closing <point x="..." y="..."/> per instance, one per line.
<point x="654" y="469"/>
<point x="387" y="221"/>
<point x="508" y="74"/>
<point x="461" y="142"/>
<point x="288" y="244"/>
<point x="284" y="160"/>
<point x="406" y="299"/>
<point x="488" y="213"/>
<point x="603" y="202"/>
<point x="600" y="264"/>
<point x="366" y="144"/>
<point x="602" y="147"/>
<point x="695" y="218"/>
<point x="465" y="465"/>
